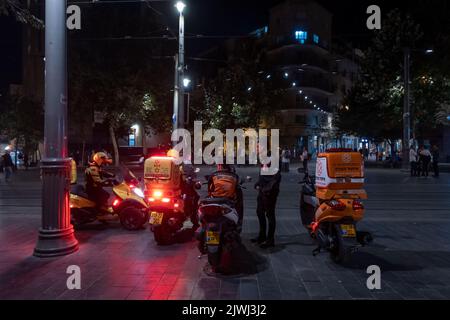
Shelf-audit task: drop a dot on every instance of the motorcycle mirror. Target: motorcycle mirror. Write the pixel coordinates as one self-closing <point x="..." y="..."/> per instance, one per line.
<point x="198" y="186"/>
<point x="197" y="170"/>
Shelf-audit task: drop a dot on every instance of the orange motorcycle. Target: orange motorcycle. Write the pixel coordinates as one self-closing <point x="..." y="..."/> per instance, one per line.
<point x="331" y="203"/>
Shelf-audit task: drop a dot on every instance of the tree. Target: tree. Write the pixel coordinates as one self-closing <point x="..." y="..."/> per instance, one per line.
<point x="23" y="120"/>
<point x="239" y="96"/>
<point x="374" y="107"/>
<point x="13" y="7"/>
<point x="118" y="77"/>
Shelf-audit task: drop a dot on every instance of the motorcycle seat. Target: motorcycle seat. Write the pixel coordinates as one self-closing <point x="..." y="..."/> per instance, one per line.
<point x="208" y="201"/>
<point x="79" y="190"/>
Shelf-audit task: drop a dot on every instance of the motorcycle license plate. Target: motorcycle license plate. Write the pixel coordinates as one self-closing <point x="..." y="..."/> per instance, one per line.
<point x="348" y="230"/>
<point x="156" y="218"/>
<point x="212" y="238"/>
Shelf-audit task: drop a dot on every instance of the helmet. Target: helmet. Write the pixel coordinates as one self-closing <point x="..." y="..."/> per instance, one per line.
<point x="101" y="158"/>
<point x="173" y="153"/>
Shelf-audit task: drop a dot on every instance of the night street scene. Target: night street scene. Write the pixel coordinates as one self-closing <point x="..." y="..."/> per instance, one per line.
<point x="236" y="151"/>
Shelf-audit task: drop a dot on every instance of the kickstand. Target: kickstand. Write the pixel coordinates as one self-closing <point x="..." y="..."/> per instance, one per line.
<point x="316" y="251"/>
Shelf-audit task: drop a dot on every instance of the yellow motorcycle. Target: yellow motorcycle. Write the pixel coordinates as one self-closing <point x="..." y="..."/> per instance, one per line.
<point x="128" y="205"/>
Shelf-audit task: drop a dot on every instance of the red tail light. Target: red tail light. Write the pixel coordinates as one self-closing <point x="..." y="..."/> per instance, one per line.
<point x="358" y="205"/>
<point x="116" y="202"/>
<point x="337" y="205"/>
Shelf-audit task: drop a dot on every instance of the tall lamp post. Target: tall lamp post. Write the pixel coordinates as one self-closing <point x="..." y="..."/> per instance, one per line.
<point x="408" y="130"/>
<point x="56" y="235"/>
<point x="406" y="109"/>
<point x="180" y="67"/>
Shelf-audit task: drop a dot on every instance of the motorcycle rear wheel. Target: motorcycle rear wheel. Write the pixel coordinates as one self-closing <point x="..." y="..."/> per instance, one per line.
<point x="340" y="253"/>
<point x="163" y="235"/>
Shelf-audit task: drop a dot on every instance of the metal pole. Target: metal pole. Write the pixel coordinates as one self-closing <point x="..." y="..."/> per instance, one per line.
<point x="406" y="109"/>
<point x="176" y="93"/>
<point x="181" y="111"/>
<point x="56" y="236"/>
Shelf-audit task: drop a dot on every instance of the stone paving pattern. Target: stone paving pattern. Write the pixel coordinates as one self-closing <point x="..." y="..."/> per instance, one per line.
<point x="409" y="218"/>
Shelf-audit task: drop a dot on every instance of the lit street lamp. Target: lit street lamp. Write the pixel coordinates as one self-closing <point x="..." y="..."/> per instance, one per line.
<point x="56" y="235"/>
<point x="186" y="82"/>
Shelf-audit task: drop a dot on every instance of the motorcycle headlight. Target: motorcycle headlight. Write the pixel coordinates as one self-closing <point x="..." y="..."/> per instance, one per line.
<point x="138" y="192"/>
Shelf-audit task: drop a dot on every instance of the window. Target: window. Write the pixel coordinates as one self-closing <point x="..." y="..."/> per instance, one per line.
<point x="316" y="39"/>
<point x="301" y="36"/>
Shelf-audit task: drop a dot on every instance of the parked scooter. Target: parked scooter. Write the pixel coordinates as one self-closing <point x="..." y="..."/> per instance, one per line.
<point x="331" y="204"/>
<point x="172" y="202"/>
<point x="219" y="232"/>
<point x="128" y="205"/>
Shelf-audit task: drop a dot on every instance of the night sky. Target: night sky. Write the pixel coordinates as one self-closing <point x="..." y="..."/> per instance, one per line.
<point x="233" y="18"/>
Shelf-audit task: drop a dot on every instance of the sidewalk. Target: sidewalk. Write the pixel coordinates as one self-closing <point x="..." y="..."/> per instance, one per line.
<point x="409" y="218"/>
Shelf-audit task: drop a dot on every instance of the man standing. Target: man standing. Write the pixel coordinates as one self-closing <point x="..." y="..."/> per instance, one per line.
<point x="304" y="158"/>
<point x="435" y="154"/>
<point x="425" y="156"/>
<point x="285" y="159"/>
<point x="268" y="187"/>
<point x="413" y="161"/>
<point x="7" y="165"/>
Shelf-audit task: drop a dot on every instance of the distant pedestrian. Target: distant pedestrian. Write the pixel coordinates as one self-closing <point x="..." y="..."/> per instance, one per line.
<point x="304" y="159"/>
<point x="285" y="159"/>
<point x="268" y="187"/>
<point x="435" y="154"/>
<point x="425" y="156"/>
<point x="413" y="161"/>
<point x="7" y="165"/>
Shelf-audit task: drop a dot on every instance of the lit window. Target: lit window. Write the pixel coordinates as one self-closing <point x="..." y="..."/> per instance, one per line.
<point x="301" y="36"/>
<point x="316" y="39"/>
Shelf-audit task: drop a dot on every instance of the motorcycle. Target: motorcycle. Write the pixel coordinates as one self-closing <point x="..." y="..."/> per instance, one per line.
<point x="331" y="212"/>
<point x="171" y="201"/>
<point x="128" y="205"/>
<point x="219" y="232"/>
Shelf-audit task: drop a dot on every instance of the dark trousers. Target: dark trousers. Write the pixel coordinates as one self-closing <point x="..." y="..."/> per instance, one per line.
<point x="414" y="168"/>
<point x="436" y="168"/>
<point x="266" y="209"/>
<point x="426" y="164"/>
<point x="305" y="165"/>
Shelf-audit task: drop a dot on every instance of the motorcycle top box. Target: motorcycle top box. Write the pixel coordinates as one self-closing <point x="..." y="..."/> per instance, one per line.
<point x="162" y="185"/>
<point x="339" y="169"/>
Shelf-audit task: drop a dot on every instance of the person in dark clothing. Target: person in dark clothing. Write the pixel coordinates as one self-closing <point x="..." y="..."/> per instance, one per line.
<point x="268" y="187"/>
<point x="425" y="156"/>
<point x="7" y="165"/>
<point x="97" y="178"/>
<point x="435" y="154"/>
<point x="224" y="183"/>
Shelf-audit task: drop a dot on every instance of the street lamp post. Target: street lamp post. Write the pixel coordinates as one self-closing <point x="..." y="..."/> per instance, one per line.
<point x="181" y="117"/>
<point x="176" y="95"/>
<point x="406" y="109"/>
<point x="56" y="235"/>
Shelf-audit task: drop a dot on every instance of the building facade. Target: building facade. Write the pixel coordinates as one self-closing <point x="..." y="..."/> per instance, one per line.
<point x="302" y="60"/>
